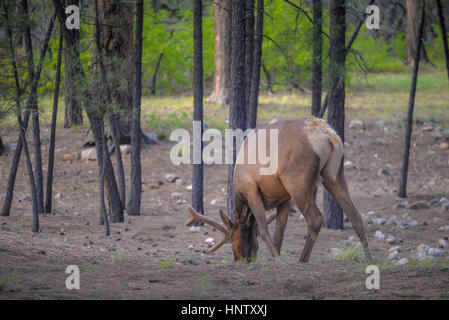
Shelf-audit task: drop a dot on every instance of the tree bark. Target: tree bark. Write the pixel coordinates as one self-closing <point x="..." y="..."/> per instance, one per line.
<point x="254" y="92"/>
<point x="51" y="152"/>
<point x="136" y="136"/>
<point x="237" y="111"/>
<point x="411" y="105"/>
<point x="197" y="176"/>
<point x="444" y="34"/>
<point x="317" y="62"/>
<point x="222" y="52"/>
<point x="336" y="114"/>
<point x="249" y="50"/>
<point x="73" y="112"/>
<point x="413" y="9"/>
<point x="2" y="148"/>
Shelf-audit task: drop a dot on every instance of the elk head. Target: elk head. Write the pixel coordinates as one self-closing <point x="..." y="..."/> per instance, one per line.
<point x="242" y="232"/>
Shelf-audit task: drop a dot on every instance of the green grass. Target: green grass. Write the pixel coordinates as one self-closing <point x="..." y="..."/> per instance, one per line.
<point x="349" y="251"/>
<point x="119" y="256"/>
<point x="7" y="279"/>
<point x="166" y="263"/>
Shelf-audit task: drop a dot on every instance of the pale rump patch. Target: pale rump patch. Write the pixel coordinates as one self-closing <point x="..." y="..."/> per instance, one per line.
<point x="326" y="144"/>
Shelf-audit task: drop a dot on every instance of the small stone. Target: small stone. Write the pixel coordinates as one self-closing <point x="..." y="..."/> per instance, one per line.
<point x="125" y="149"/>
<point x="194" y="229"/>
<point x="379" y="235"/>
<point x="403" y="224"/>
<point x="394" y="248"/>
<point x="350" y="166"/>
<point x="25" y="197"/>
<point x="62" y="232"/>
<point x="402" y="262"/>
<point x="413" y="223"/>
<point x="274" y="120"/>
<point x="444" y="228"/>
<point x="418" y="205"/>
<point x="435" y="252"/>
<point x="176" y="196"/>
<point x="209" y="240"/>
<point x="190" y="247"/>
<point x="383" y="172"/>
<point x="352" y="239"/>
<point x="217" y="202"/>
<point x="371" y="213"/>
<point x="58" y="196"/>
<point x="171" y="177"/>
<point x="442" y="244"/>
<point x="434" y="202"/>
<point x="394" y="255"/>
<point x="356" y="125"/>
<point x="180" y="182"/>
<point x="380" y="221"/>
<point x="427" y="127"/>
<point x="400" y="205"/>
<point x="67" y="157"/>
<point x="189" y="187"/>
<point x="392" y="221"/>
<point x="391" y="239"/>
<point x="444" y="146"/>
<point x="423" y="247"/>
<point x="89" y="154"/>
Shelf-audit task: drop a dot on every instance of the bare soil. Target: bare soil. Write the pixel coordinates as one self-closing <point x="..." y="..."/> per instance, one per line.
<point x="147" y="256"/>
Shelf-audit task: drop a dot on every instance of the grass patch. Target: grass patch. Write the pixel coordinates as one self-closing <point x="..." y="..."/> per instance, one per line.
<point x="166" y="263"/>
<point x="7" y="279"/>
<point x="119" y="256"/>
<point x="352" y="251"/>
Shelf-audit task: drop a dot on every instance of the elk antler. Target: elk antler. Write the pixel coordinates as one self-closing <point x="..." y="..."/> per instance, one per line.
<point x="197" y="217"/>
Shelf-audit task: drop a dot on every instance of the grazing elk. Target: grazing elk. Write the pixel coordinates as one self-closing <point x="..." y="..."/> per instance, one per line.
<point x="309" y="152"/>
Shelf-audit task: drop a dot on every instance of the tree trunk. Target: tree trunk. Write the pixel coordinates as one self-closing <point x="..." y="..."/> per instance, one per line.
<point x="51" y="152"/>
<point x="73" y="112"/>
<point x="254" y="92"/>
<point x="336" y="114"/>
<point x="222" y="52"/>
<point x="317" y="62"/>
<point x="2" y="148"/>
<point x="411" y="105"/>
<point x="197" y="176"/>
<point x="444" y="34"/>
<point x="136" y="136"/>
<point x="249" y="51"/>
<point x="413" y="9"/>
<point x="237" y="111"/>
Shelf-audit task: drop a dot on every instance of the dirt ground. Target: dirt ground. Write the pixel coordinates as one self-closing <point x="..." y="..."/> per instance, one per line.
<point x="155" y="256"/>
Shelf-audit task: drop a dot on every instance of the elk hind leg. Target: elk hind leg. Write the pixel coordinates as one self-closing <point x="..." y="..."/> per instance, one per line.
<point x="281" y="222"/>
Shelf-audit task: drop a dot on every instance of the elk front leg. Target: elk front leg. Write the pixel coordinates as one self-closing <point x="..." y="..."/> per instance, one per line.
<point x="281" y="222"/>
<point x="257" y="208"/>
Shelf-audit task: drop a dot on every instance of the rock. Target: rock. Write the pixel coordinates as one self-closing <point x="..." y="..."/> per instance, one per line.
<point x="400" y="205"/>
<point x="380" y="221"/>
<point x="392" y="221"/>
<point x="391" y="239"/>
<point x="190" y="247"/>
<point x="89" y="154"/>
<point x="445" y="205"/>
<point x="356" y="125"/>
<point x="189" y="187"/>
<point x="413" y="223"/>
<point x="67" y="157"/>
<point x="2" y="196"/>
<point x="427" y="127"/>
<point x="383" y="172"/>
<point x="171" y="177"/>
<point x="194" y="229"/>
<point x="274" y="120"/>
<point x="352" y="239"/>
<point x="176" y="196"/>
<point x="434" y="252"/>
<point x="423" y="247"/>
<point x="125" y="149"/>
<point x="444" y="146"/>
<point x="444" y="228"/>
<point x="180" y="182"/>
<point x="209" y="240"/>
<point x="58" y="196"/>
<point x="350" y="166"/>
<point x="379" y="235"/>
<point x="442" y="244"/>
<point x="25" y="197"/>
<point x="403" y="224"/>
<point x="418" y="205"/>
<point x="434" y="202"/>
<point x="217" y="202"/>
<point x="150" y="139"/>
<point x="394" y="248"/>
<point x="393" y="255"/>
<point x="402" y="262"/>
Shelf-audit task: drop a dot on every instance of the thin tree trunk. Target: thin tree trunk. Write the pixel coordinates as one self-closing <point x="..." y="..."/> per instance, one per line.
<point x="197" y="185"/>
<point x="411" y="105"/>
<point x="51" y="152"/>
<point x="317" y="62"/>
<point x="249" y="51"/>
<point x="336" y="116"/>
<point x="237" y="112"/>
<point x="156" y="70"/>
<point x="348" y="49"/>
<point x="254" y="92"/>
<point x="2" y="148"/>
<point x="113" y="119"/>
<point x="444" y="34"/>
<point x="31" y="100"/>
<point x="73" y="114"/>
<point x="222" y="52"/>
<point x="35" y="226"/>
<point x="413" y="9"/>
<point x="136" y="135"/>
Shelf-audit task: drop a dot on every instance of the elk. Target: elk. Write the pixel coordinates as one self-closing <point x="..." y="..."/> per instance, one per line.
<point x="309" y="152"/>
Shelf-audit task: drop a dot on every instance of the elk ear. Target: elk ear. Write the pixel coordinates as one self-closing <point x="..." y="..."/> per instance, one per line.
<point x="226" y="221"/>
